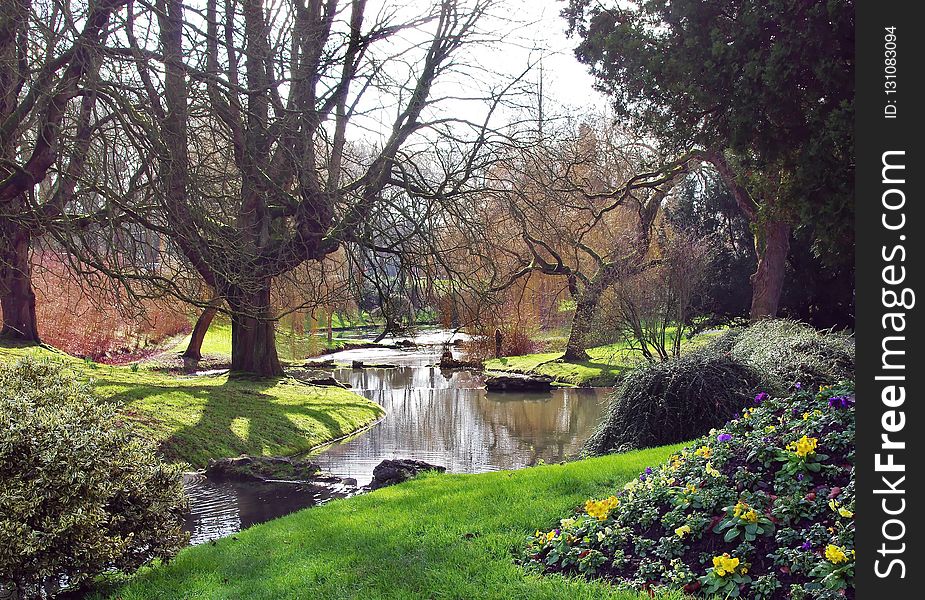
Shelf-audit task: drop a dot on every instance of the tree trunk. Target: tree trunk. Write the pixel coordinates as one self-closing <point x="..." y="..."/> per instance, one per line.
<point x="194" y="349"/>
<point x="772" y="244"/>
<point x="17" y="299"/>
<point x="253" y="334"/>
<point x="581" y="324"/>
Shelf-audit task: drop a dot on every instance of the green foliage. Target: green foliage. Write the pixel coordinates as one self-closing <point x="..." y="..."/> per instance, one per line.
<point x="726" y="515"/>
<point x="740" y="75"/>
<point x="82" y="493"/>
<point x="663" y="403"/>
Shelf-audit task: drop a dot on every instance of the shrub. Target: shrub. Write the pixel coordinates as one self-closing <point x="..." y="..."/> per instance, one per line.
<point x="663" y="403"/>
<point x="761" y="509"/>
<point x="81" y="492"/>
<point x="787" y="352"/>
<point x="674" y="401"/>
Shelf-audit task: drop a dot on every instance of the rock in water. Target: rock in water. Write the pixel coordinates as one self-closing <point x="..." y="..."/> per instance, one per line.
<point x="448" y="362"/>
<point x="516" y="382"/>
<point x="390" y="472"/>
<point x="262" y="468"/>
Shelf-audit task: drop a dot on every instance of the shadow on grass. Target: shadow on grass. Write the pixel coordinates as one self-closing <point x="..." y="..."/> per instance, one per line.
<point x="240" y="416"/>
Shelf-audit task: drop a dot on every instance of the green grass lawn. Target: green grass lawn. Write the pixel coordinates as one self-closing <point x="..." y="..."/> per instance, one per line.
<point x="196" y="418"/>
<point x="438" y="536"/>
<point x="604" y="366"/>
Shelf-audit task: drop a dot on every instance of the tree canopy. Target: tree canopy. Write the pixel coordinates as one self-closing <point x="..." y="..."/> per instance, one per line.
<point x="769" y="85"/>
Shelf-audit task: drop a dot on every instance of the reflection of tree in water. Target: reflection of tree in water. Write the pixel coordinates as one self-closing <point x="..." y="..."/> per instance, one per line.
<point x="445" y="419"/>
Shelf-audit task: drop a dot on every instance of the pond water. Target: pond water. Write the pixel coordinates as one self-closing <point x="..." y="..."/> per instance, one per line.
<point x="439" y="416"/>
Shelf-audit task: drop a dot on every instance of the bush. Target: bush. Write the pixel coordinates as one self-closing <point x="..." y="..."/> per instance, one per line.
<point x="81" y="492"/>
<point x="664" y="403"/>
<point x="761" y="509"/>
<point x="674" y="401"/>
<point x="787" y="352"/>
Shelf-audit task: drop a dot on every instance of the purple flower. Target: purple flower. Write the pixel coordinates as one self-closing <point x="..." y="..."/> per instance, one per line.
<point x="841" y="402"/>
<point x="806" y="546"/>
<point x="642" y="477"/>
<point x="761" y="397"/>
<point x="798" y="386"/>
<point x="799" y="477"/>
<point x="723" y="437"/>
<point x="648" y="470"/>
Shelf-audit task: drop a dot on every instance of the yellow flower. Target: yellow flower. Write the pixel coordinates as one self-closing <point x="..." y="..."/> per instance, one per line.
<point x="711" y="471"/>
<point x="682" y="531"/>
<point x="599" y="509"/>
<point x="742" y="511"/>
<point x="704" y="451"/>
<point x="803" y="447"/>
<point x="841" y="510"/>
<point x="551" y="535"/>
<point x="769" y="428"/>
<point x="835" y="555"/>
<point x="725" y="564"/>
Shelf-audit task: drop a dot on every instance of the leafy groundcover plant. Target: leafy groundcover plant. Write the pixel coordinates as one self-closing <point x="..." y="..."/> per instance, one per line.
<point x="761" y="509"/>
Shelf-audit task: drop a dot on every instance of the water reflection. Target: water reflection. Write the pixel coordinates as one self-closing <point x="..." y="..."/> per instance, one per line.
<point x="222" y="508"/>
<point x="447" y="418"/>
<point x="442" y="417"/>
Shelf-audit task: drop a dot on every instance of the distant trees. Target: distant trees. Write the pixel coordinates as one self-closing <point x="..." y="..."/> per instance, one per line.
<point x="742" y="84"/>
<point x="579" y="205"/>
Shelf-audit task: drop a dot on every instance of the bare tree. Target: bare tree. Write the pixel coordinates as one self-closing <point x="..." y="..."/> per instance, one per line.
<point x="243" y="117"/>
<point x="50" y="58"/>
<point x="582" y="208"/>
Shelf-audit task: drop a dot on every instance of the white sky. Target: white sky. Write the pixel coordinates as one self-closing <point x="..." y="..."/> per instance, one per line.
<point x="566" y="81"/>
<point x="515" y="35"/>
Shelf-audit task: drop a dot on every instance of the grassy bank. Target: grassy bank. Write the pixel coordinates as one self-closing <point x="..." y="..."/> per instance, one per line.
<point x="439" y="536"/>
<point x="197" y="418"/>
<point x="604" y="366"/>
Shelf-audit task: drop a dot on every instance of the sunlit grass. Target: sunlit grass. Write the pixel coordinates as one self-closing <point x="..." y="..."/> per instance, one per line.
<point x="604" y="366"/>
<point x="194" y="419"/>
<point x="439" y="536"/>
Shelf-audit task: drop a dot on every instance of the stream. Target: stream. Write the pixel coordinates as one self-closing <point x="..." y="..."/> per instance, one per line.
<point x="439" y="416"/>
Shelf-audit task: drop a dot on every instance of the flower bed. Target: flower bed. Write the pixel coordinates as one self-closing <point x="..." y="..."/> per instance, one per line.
<point x="761" y="509"/>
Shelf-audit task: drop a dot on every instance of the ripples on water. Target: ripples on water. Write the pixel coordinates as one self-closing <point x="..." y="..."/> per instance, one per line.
<point x="442" y="417"/>
<point x="219" y="509"/>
